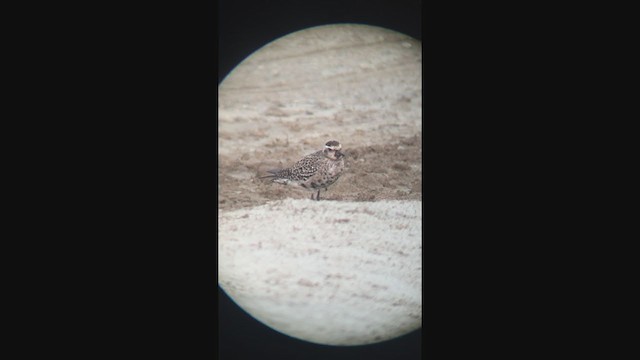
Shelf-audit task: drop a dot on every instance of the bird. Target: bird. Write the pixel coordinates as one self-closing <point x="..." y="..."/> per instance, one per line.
<point x="313" y="172"/>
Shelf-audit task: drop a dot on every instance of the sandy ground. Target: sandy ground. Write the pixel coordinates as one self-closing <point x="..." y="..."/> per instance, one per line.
<point x="362" y="88"/>
<point x="359" y="85"/>
<point x="345" y="287"/>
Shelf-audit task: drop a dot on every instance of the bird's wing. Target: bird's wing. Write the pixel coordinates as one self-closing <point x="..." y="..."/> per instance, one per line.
<point x="301" y="170"/>
<point x="307" y="166"/>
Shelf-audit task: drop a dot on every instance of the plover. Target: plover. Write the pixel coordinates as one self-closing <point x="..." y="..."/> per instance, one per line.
<point x="313" y="172"/>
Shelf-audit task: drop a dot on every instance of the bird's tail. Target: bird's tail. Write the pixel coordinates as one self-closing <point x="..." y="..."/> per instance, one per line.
<point x="272" y="174"/>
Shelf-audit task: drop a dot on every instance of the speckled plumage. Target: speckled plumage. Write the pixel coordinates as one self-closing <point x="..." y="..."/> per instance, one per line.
<point x="315" y="171"/>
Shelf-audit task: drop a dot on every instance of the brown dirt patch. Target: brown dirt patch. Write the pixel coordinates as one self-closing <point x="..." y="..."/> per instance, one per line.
<point x="390" y="171"/>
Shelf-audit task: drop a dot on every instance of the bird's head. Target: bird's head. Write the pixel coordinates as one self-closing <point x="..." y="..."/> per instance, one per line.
<point x="332" y="150"/>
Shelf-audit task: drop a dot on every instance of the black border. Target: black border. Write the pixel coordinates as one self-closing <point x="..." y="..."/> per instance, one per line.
<point x="114" y="140"/>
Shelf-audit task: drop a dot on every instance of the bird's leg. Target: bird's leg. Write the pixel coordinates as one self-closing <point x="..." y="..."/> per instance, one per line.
<point x="318" y="196"/>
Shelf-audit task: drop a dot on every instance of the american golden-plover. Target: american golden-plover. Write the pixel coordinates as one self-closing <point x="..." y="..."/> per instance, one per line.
<point x="313" y="172"/>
